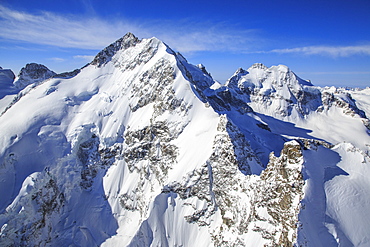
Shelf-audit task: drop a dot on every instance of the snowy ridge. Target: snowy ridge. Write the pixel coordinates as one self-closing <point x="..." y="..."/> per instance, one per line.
<point x="160" y="154"/>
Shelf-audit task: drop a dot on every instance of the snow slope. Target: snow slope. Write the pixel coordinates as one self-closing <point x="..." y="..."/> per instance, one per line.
<point x="100" y="107"/>
<point x="141" y="148"/>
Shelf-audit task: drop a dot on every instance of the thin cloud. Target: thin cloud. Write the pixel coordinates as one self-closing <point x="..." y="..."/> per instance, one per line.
<point x="192" y="37"/>
<point x="55" y="30"/>
<point x="333" y="51"/>
<point x="87" y="58"/>
<point x="57" y="59"/>
<point x="47" y="28"/>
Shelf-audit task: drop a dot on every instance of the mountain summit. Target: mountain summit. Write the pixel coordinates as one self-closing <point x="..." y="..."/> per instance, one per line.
<point x="141" y="148"/>
<point x="32" y="73"/>
<point x="104" y="56"/>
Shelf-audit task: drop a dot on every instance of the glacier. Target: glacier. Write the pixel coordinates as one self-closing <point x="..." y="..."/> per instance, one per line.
<point x="141" y="148"/>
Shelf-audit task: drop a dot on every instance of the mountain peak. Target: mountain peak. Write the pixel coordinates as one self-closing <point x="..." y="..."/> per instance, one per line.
<point x="233" y="81"/>
<point x="260" y="76"/>
<point x="277" y="88"/>
<point x="32" y="73"/>
<point x="104" y="56"/>
<point x="281" y="74"/>
<point x="240" y="71"/>
<point x="258" y="66"/>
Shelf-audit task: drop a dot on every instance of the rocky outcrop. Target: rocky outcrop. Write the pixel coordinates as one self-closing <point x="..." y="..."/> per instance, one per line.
<point x="107" y="53"/>
<point x="32" y="73"/>
<point x="68" y="74"/>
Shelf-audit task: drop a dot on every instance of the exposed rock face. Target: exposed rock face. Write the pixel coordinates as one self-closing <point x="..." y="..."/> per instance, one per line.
<point x="46" y="216"/>
<point x="68" y="74"/>
<point x="32" y="73"/>
<point x="265" y="206"/>
<point x="107" y="53"/>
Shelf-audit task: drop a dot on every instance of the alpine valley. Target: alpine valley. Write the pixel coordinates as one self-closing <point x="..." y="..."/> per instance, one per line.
<point x="141" y="148"/>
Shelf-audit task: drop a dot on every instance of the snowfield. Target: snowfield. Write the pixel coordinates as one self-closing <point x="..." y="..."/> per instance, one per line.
<point x="141" y="148"/>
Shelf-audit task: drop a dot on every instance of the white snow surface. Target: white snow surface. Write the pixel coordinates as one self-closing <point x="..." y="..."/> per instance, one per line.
<point x="47" y="121"/>
<point x="141" y="148"/>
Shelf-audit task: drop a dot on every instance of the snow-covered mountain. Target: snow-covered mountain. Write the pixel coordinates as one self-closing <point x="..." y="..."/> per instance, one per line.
<point x="6" y="82"/>
<point x="141" y="148"/>
<point x="32" y="73"/>
<point x="7" y="89"/>
<point x="6" y="77"/>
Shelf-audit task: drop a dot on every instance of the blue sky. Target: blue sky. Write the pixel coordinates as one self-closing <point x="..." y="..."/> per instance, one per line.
<point x="327" y="41"/>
